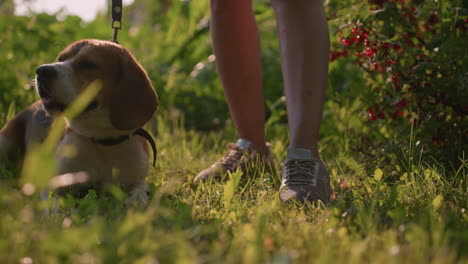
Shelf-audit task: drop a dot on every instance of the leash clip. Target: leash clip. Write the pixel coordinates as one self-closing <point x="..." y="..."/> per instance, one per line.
<point x="116" y="18"/>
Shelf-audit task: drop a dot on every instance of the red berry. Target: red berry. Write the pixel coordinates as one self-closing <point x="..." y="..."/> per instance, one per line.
<point x="377" y="67"/>
<point x="369" y="52"/>
<point x="409" y="42"/>
<point x="345" y="41"/>
<point x="381" y="115"/>
<point x="396" y="47"/>
<point x="433" y="18"/>
<point x="402" y="103"/>
<point x="355" y="30"/>
<point x="371" y="114"/>
<point x="437" y="141"/>
<point x="356" y="39"/>
<point x="337" y="54"/>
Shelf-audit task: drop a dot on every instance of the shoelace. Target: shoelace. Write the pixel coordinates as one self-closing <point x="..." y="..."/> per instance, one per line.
<point x="232" y="159"/>
<point x="301" y="172"/>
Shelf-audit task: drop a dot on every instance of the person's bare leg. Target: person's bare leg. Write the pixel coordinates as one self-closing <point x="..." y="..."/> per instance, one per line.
<point x="237" y="49"/>
<point x="304" y="43"/>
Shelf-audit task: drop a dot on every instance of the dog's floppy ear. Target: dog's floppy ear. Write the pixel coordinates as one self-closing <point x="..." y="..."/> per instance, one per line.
<point x="133" y="100"/>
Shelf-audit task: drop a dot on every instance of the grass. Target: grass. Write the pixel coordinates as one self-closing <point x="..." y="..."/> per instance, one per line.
<point x="385" y="210"/>
<point x="420" y="218"/>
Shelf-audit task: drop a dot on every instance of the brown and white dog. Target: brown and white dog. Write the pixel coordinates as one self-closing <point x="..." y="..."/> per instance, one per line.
<point x="106" y="148"/>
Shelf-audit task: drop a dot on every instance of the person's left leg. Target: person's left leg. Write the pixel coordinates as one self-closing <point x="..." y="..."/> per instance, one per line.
<point x="304" y="43"/>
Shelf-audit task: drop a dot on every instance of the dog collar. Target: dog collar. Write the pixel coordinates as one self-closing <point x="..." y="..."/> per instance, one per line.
<point x="111" y="141"/>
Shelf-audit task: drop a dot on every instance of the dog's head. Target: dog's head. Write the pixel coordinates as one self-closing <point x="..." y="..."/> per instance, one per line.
<point x="127" y="99"/>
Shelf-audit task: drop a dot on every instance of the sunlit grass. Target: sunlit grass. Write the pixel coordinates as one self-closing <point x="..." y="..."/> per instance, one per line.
<point x="419" y="219"/>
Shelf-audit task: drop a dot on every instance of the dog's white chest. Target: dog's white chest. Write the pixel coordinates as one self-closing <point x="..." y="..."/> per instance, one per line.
<point x="125" y="163"/>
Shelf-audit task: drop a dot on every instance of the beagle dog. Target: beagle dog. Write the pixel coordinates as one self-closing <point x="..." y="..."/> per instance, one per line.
<point x="107" y="149"/>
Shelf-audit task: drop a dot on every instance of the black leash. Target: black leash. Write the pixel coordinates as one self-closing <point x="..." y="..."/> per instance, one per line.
<point x="116" y="18"/>
<point x="149" y="138"/>
<point x="117" y="140"/>
<point x="116" y="25"/>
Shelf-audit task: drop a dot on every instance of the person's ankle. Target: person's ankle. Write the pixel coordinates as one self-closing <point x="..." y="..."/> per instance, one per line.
<point x="302" y="153"/>
<point x="246" y="144"/>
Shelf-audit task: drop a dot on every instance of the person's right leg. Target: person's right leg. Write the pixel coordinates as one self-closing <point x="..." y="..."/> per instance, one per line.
<point x="236" y="46"/>
<point x="237" y="49"/>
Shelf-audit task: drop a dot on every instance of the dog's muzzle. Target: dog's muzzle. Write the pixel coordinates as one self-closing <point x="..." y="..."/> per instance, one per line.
<point x="45" y="75"/>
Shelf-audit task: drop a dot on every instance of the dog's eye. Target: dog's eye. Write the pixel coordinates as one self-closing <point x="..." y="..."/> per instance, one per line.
<point x="86" y="64"/>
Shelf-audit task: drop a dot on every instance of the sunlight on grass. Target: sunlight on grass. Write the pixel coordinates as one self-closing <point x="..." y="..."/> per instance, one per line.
<point x="243" y="219"/>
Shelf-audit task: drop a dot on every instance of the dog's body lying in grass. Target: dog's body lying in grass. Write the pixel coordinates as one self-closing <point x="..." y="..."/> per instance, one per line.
<point x="105" y="149"/>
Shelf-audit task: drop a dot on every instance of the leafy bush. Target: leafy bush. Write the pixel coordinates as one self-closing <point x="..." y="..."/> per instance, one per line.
<point x="26" y="43"/>
<point x="413" y="57"/>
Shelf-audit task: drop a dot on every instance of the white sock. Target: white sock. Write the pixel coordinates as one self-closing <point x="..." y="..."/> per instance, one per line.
<point x="299" y="153"/>
<point x="243" y="143"/>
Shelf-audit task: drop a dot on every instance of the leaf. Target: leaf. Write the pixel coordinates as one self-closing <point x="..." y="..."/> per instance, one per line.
<point x="230" y="187"/>
<point x="437" y="202"/>
<point x="378" y="173"/>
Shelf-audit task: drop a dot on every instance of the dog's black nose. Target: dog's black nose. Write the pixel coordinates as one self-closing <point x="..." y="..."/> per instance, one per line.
<point x="46" y="71"/>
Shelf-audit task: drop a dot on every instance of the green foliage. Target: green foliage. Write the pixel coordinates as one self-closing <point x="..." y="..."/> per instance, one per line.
<point x="393" y="202"/>
<point x="412" y="55"/>
<point x="26" y="43"/>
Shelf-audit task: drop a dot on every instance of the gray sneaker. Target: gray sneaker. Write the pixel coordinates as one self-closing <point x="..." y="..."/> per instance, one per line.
<point x="237" y="157"/>
<point x="305" y="180"/>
